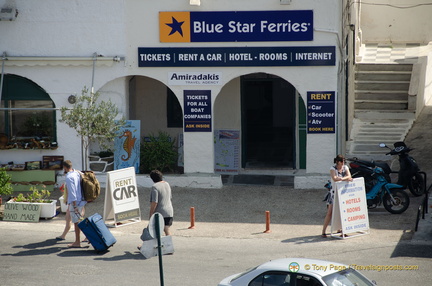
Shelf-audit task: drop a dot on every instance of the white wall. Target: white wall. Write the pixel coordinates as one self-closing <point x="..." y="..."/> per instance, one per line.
<point x="117" y="28"/>
<point x="387" y="21"/>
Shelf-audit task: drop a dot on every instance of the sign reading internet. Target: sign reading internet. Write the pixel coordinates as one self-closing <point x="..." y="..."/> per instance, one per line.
<point x="235" y="26"/>
<point x="237" y="56"/>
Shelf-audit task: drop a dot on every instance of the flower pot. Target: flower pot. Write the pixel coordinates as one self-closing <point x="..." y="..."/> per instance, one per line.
<point x="48" y="210"/>
<point x="63" y="206"/>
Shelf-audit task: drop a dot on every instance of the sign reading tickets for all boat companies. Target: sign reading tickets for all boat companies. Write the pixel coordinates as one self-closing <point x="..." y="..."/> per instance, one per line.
<point x="235" y="26"/>
<point x="321" y="112"/>
<point x="197" y="111"/>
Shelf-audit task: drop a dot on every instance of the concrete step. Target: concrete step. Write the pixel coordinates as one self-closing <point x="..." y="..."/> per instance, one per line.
<point x="381" y="95"/>
<point x="383" y="75"/>
<point x="382" y="85"/>
<point x="384" y="115"/>
<point x="364" y="105"/>
<point x="384" y="67"/>
<point x="369" y="131"/>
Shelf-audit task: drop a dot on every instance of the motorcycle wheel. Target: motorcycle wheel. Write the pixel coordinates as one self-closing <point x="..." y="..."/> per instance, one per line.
<point x="400" y="204"/>
<point x="416" y="185"/>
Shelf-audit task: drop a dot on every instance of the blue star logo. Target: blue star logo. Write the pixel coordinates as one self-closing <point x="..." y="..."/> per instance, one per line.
<point x="175" y="27"/>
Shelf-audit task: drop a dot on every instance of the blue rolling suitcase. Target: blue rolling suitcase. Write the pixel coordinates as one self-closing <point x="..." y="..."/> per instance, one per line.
<point x="97" y="232"/>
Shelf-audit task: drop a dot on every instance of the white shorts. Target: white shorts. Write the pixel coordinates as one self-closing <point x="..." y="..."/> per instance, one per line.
<point x="75" y="216"/>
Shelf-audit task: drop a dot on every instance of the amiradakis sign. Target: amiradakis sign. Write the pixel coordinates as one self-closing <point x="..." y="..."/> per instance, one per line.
<point x="235" y="26"/>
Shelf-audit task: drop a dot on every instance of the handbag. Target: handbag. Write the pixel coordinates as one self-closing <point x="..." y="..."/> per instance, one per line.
<point x="146" y="235"/>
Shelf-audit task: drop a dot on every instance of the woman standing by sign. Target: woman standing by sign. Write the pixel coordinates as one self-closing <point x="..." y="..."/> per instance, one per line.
<point x="338" y="172"/>
<point x="160" y="199"/>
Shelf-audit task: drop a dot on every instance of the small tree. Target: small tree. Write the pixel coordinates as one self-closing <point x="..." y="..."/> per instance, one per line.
<point x="93" y="120"/>
<point x="5" y="185"/>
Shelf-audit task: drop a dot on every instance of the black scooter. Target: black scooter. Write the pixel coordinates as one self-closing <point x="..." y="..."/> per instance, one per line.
<point x="409" y="174"/>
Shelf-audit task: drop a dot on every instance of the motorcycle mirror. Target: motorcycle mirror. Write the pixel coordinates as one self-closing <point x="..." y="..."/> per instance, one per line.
<point x="382" y="145"/>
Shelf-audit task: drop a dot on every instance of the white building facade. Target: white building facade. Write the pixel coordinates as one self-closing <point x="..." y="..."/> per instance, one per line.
<point x="269" y="72"/>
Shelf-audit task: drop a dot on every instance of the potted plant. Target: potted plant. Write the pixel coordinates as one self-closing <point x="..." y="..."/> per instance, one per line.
<point x="5" y="185"/>
<point x="94" y="121"/>
<point x="48" y="206"/>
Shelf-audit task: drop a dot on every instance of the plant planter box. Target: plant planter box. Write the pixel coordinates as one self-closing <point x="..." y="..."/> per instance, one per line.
<point x="48" y="210"/>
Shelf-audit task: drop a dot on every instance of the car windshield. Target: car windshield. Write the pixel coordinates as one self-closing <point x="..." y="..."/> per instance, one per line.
<point x="347" y="277"/>
<point x="243" y="273"/>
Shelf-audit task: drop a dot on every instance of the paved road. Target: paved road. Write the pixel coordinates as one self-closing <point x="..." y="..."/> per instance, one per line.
<point x="228" y="238"/>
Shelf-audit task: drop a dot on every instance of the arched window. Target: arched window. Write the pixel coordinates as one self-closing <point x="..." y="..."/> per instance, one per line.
<point x="27" y="112"/>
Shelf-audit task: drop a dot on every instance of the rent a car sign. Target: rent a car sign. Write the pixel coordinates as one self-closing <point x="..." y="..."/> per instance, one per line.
<point x="236" y="26"/>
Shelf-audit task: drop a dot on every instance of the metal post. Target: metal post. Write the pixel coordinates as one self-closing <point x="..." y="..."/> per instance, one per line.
<point x="2" y="74"/>
<point x="93" y="72"/>
<point x="158" y="236"/>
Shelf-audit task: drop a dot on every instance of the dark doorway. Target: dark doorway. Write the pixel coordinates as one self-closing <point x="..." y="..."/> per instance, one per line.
<point x="268" y="122"/>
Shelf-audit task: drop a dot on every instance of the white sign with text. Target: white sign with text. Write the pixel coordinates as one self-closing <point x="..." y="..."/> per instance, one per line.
<point x="350" y="212"/>
<point x="121" y="197"/>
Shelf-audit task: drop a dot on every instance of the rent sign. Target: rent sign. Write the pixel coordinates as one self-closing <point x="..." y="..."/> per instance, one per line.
<point x="121" y="197"/>
<point x="321" y="112"/>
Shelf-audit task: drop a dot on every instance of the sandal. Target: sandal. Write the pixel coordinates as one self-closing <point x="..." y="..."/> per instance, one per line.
<point x="324" y="235"/>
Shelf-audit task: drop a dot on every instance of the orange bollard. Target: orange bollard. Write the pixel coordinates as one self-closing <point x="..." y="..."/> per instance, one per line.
<point x="192" y="218"/>
<point x="267" y="222"/>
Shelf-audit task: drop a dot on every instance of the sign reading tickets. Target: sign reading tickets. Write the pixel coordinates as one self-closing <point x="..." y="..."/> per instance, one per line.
<point x="197" y="111"/>
<point x="24" y="212"/>
<point x="237" y="56"/>
<point x="321" y="111"/>
<point x="235" y="26"/>
<point x="121" y="197"/>
<point x="350" y="212"/>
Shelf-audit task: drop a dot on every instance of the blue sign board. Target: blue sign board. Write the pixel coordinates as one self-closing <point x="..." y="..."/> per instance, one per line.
<point x="251" y="26"/>
<point x="127" y="146"/>
<point x="321" y="111"/>
<point x="237" y="57"/>
<point x="197" y="111"/>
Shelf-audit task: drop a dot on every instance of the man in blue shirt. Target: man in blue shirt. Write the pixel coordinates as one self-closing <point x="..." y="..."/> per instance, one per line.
<point x="75" y="200"/>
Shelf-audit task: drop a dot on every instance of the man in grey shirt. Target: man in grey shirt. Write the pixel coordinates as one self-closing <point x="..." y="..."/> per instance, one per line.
<point x="160" y="199"/>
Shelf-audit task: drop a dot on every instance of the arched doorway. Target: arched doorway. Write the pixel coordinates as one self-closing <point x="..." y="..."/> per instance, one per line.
<point x="27" y="111"/>
<point x="268" y="108"/>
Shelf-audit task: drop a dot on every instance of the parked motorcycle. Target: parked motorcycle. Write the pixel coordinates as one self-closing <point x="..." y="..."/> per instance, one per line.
<point x="392" y="196"/>
<point x="361" y="168"/>
<point x="409" y="172"/>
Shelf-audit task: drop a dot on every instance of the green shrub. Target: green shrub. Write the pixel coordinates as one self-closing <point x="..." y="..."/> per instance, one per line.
<point x="5" y="185"/>
<point x="158" y="152"/>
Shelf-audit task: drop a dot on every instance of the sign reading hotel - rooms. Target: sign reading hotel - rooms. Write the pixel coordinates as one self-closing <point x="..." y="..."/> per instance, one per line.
<point x="236" y="26"/>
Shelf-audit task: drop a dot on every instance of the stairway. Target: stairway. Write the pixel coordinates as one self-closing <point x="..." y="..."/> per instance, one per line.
<point x="380" y="109"/>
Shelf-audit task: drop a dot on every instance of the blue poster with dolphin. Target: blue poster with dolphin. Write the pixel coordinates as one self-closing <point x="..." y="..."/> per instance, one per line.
<point x="127" y="146"/>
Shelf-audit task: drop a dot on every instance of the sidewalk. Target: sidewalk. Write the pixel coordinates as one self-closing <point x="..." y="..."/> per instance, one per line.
<point x="239" y="212"/>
